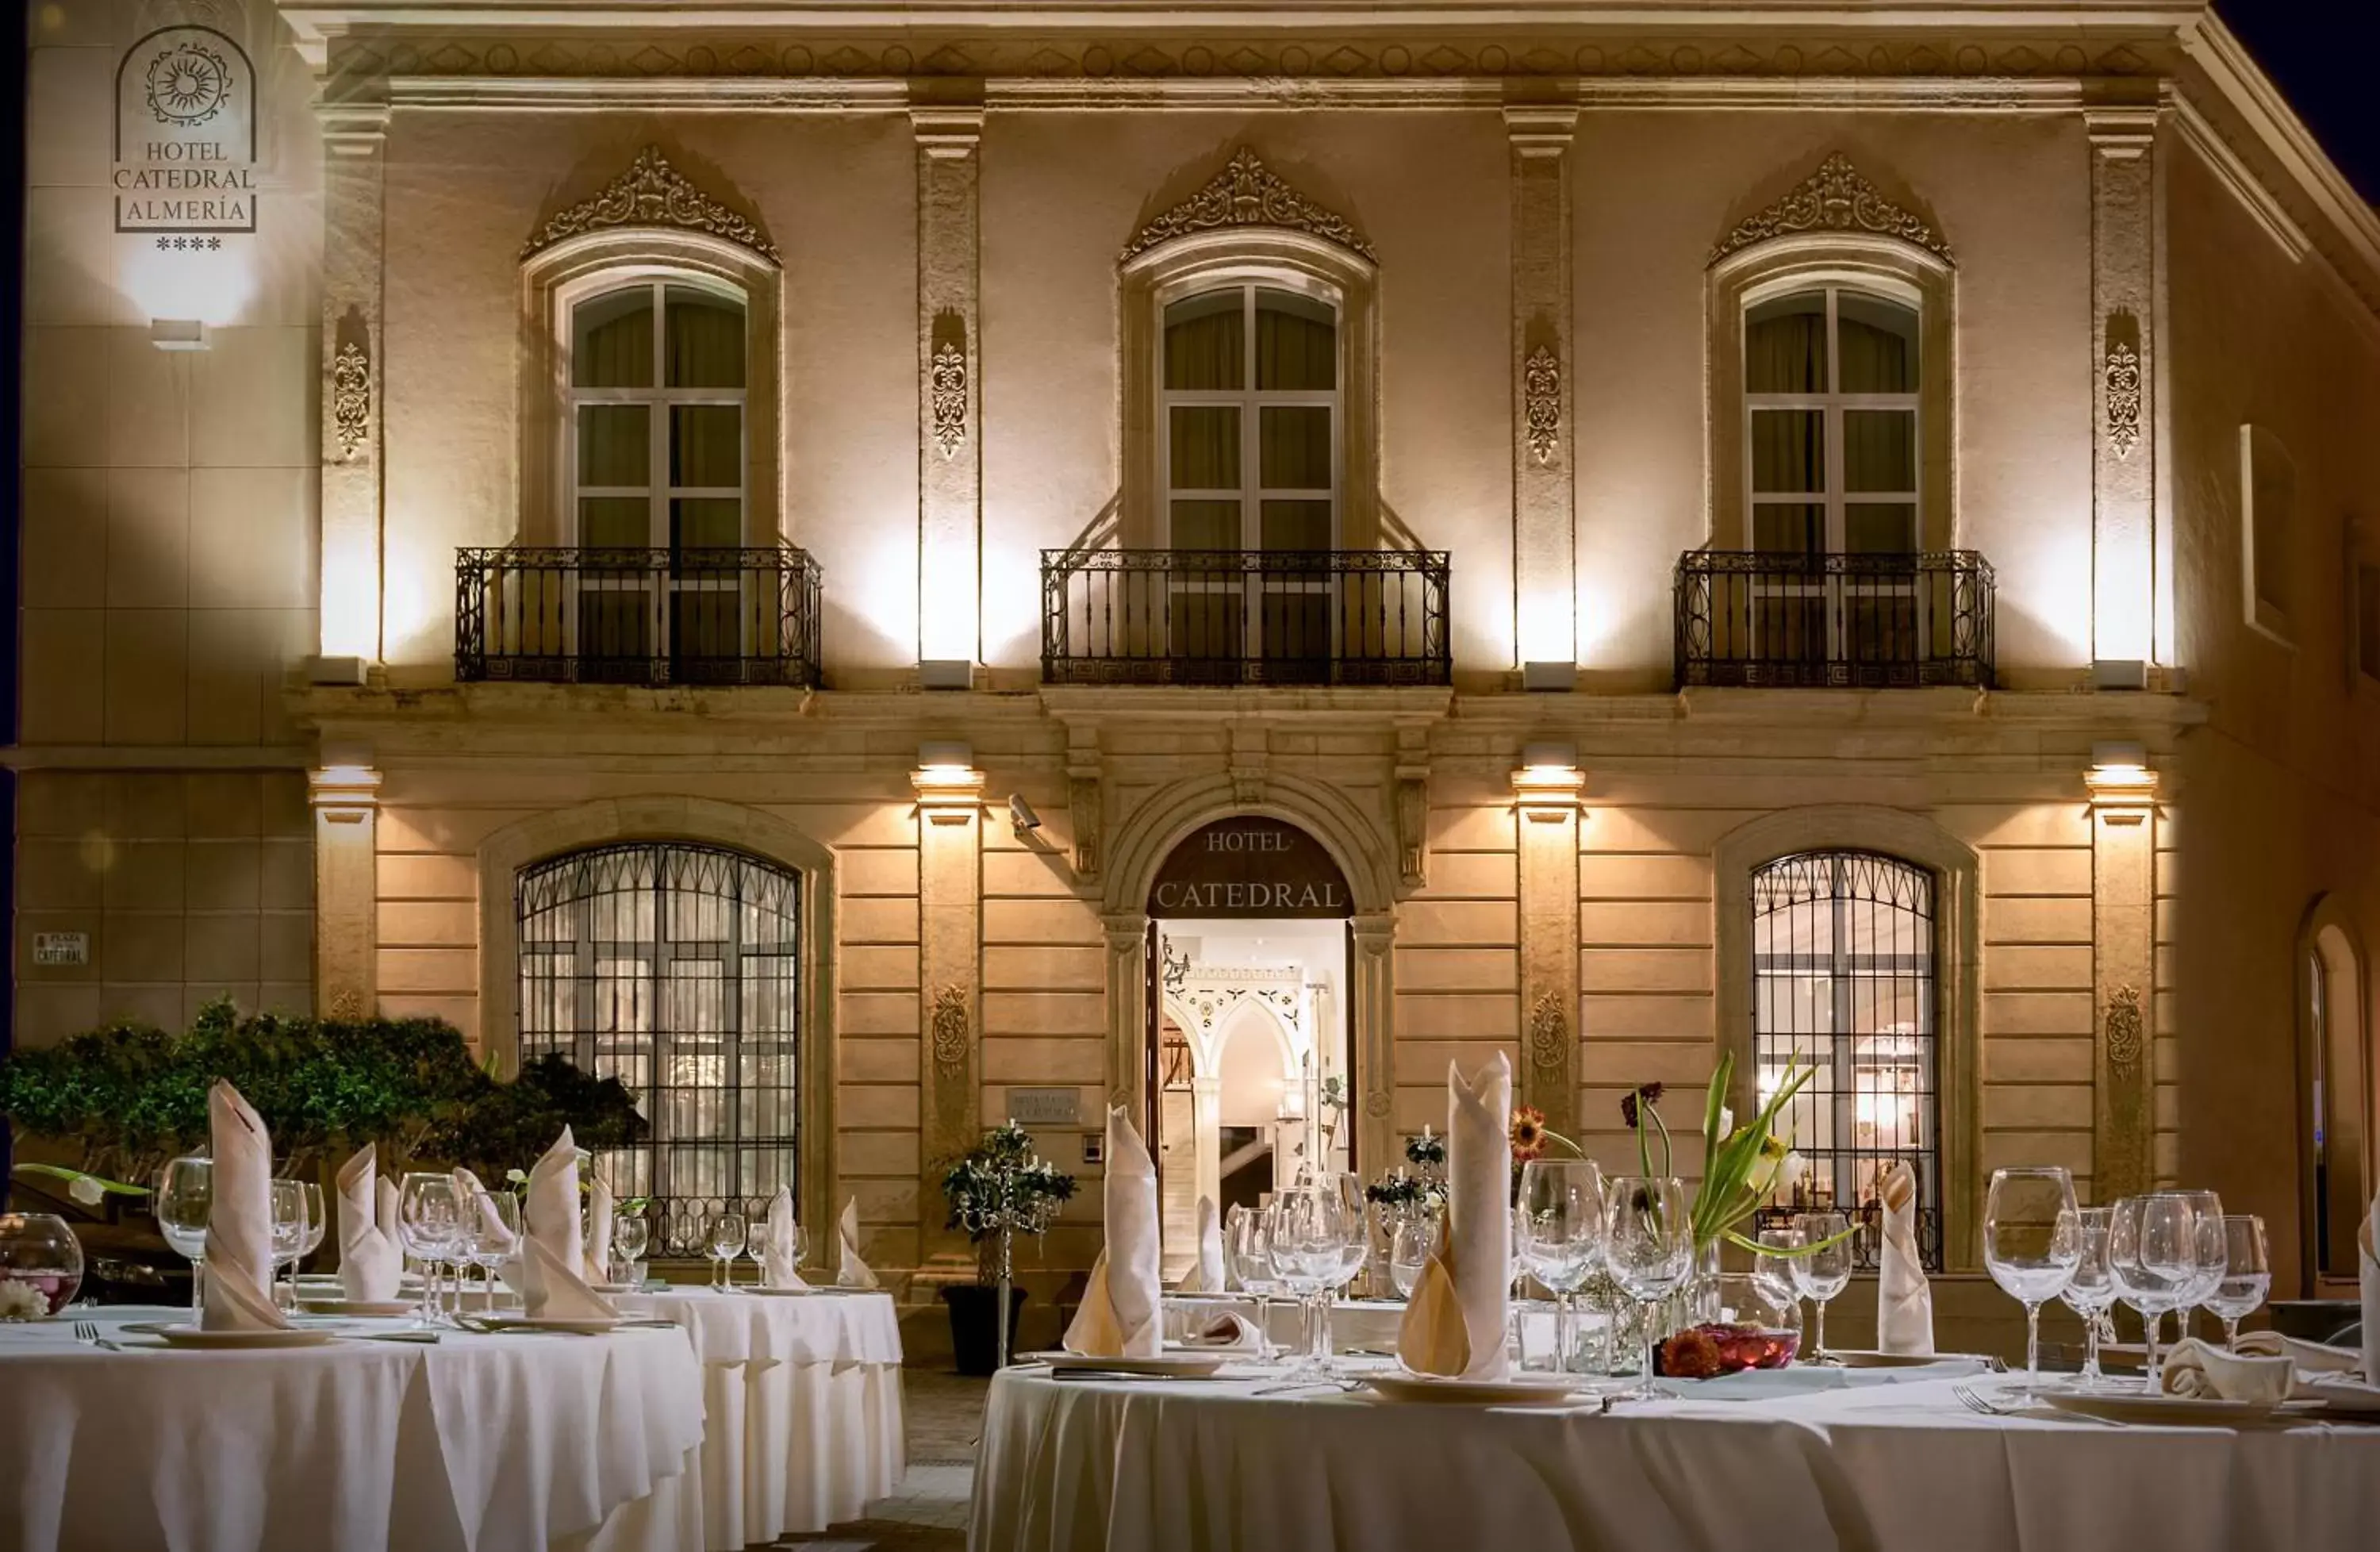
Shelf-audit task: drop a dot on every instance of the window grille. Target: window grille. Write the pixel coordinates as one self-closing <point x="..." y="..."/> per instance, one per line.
<point x="677" y="970"/>
<point x="1843" y="981"/>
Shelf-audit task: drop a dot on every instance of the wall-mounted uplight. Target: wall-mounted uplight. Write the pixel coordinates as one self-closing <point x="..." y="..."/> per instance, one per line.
<point x="949" y="787"/>
<point x="178" y="333"/>
<point x="2122" y="786"/>
<point x="1548" y="780"/>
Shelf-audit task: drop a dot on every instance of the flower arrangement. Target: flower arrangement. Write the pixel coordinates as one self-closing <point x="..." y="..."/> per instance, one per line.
<point x="1425" y="1152"/>
<point x="1744" y="1166"/>
<point x="22" y="1300"/>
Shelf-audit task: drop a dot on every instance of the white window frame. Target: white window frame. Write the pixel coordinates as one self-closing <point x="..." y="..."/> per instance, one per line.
<point x="658" y="491"/>
<point x="1831" y="404"/>
<point x="1251" y="494"/>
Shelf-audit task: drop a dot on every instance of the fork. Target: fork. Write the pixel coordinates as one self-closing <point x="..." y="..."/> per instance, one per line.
<point x="87" y="1333"/>
<point x="1975" y="1402"/>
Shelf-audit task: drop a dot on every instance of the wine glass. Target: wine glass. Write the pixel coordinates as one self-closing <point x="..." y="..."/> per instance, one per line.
<point x="185" y="1196"/>
<point x="2092" y="1289"/>
<point x="1247" y="1243"/>
<point x="1772" y="1265"/>
<point x="1648" y="1246"/>
<point x="1355" y="1219"/>
<point x="494" y="1235"/>
<point x="1821" y="1270"/>
<point x="289" y="1205"/>
<point x="429" y="1224"/>
<point x="1560" y="1232"/>
<point x="756" y="1246"/>
<point x="1309" y="1238"/>
<point x="2206" y="1220"/>
<point x="318" y="1223"/>
<point x="630" y="1236"/>
<point x="2152" y="1245"/>
<point x="2247" y="1274"/>
<point x="1410" y="1248"/>
<point x="2032" y="1241"/>
<point x="727" y="1240"/>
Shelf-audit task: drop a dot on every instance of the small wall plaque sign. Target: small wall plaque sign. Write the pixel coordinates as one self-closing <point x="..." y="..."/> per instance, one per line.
<point x="1045" y="1107"/>
<point x="61" y="948"/>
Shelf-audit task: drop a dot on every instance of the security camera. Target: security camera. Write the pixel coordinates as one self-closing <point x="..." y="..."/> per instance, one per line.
<point x="1020" y="813"/>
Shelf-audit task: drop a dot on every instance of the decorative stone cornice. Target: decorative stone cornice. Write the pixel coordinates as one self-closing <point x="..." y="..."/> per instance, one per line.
<point x="1834" y="199"/>
<point x="1247" y="193"/>
<point x="653" y="193"/>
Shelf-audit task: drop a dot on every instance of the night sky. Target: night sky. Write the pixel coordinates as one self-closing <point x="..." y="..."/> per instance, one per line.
<point x="2322" y="54"/>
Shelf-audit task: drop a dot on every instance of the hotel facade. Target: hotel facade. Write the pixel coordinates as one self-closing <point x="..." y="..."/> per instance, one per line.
<point x="873" y="569"/>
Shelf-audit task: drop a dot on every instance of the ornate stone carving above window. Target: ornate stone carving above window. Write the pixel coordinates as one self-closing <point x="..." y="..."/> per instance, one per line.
<point x="653" y="193"/>
<point x="1247" y="193"/>
<point x="1834" y="199"/>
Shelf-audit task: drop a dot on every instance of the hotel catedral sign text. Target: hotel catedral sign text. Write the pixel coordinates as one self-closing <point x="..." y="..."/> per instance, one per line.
<point x="1250" y="867"/>
<point x="186" y="135"/>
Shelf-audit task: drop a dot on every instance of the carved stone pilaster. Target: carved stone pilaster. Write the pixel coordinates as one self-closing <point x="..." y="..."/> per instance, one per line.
<point x="950" y="463"/>
<point x="2124" y="547"/>
<point x="1084" y="796"/>
<point x="1545" y="534"/>
<point x="1413" y="807"/>
<point x="354" y="136"/>
<point x="950" y="974"/>
<point x="1546" y="1076"/>
<point x="2123" y="916"/>
<point x="1371" y="1015"/>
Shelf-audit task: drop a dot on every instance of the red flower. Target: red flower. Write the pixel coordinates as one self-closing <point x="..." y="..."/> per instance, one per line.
<point x="1643" y="1093"/>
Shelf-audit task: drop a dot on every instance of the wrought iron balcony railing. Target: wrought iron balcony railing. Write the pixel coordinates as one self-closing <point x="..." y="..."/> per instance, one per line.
<point x="631" y="616"/>
<point x="1245" y="618"/>
<point x="1860" y="622"/>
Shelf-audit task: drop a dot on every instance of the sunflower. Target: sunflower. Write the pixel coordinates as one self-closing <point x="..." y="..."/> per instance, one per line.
<point x="1529" y="1133"/>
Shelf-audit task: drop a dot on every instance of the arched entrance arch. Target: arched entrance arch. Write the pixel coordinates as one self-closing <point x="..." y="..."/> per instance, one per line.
<point x="2335" y="1095"/>
<point x="1365" y="851"/>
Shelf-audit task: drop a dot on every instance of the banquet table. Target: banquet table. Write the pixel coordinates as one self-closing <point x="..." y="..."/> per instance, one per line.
<point x="801" y="1397"/>
<point x="1807" y="1458"/>
<point x="1356" y="1325"/>
<point x="475" y="1443"/>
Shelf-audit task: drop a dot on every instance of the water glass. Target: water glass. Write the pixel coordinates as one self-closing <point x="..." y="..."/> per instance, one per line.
<point x="2092" y="1289"/>
<point x="1558" y="1230"/>
<point x="1821" y="1270"/>
<point x="1415" y="1240"/>
<point x="431" y="1226"/>
<point x="1310" y="1236"/>
<point x="318" y="1223"/>
<point x="1649" y="1247"/>
<point x="2032" y="1241"/>
<point x="727" y="1242"/>
<point x="2152" y="1245"/>
<point x="494" y="1222"/>
<point x="756" y="1246"/>
<point x="2206" y="1217"/>
<point x="185" y="1196"/>
<point x="1772" y="1265"/>
<point x="631" y="1237"/>
<point x="2247" y="1274"/>
<point x="289" y="1203"/>
<point x="1247" y="1247"/>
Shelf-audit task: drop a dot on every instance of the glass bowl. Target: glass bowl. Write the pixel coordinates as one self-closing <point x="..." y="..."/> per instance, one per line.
<point x="38" y="1250"/>
<point x="1751" y="1330"/>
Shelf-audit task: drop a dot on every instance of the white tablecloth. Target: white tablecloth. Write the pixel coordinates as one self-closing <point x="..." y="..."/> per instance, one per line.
<point x="1170" y="1467"/>
<point x="801" y="1407"/>
<point x="477" y="1444"/>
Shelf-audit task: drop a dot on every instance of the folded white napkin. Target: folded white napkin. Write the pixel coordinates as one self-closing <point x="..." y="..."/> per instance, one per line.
<point x="371" y="1264"/>
<point x="1454" y="1324"/>
<point x="2317" y="1358"/>
<point x="2367" y="1266"/>
<point x="779" y="1264"/>
<point x="238" y="1267"/>
<point x="1206" y="1274"/>
<point x="1222" y="1331"/>
<point x="1119" y="1316"/>
<point x="551" y="1285"/>
<point x="2203" y="1370"/>
<point x="1904" y="1301"/>
<point x="599" y="1234"/>
<point x="850" y="1271"/>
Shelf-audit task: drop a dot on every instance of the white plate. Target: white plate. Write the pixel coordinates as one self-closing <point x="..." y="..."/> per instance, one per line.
<point x="192" y="1336"/>
<point x="1526" y="1391"/>
<point x="597" y="1325"/>
<point x="358" y="1307"/>
<point x="2185" y="1410"/>
<point x="782" y="1293"/>
<point x="2347" y="1396"/>
<point x="1184" y="1365"/>
<point x="1870" y="1359"/>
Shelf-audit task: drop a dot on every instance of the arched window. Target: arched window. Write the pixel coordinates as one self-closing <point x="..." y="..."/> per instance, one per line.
<point x="675" y="968"/>
<point x="656" y="423"/>
<point x="1843" y="981"/>
<point x="1831" y="406"/>
<point x="2336" y="1063"/>
<point x="1249" y="403"/>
